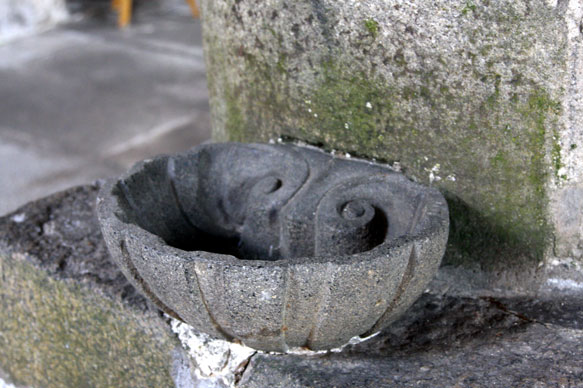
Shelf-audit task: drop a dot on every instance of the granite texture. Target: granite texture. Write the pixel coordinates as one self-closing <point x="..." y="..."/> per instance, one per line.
<point x="481" y="98"/>
<point x="277" y="246"/>
<point x="68" y="318"/>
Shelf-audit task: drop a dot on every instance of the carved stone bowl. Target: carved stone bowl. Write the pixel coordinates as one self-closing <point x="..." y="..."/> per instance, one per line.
<point x="277" y="246"/>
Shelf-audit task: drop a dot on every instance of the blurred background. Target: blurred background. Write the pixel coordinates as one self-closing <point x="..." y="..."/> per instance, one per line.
<point x="82" y="98"/>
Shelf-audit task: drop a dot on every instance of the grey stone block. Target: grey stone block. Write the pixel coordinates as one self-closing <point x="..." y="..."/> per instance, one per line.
<point x="276" y="246"/>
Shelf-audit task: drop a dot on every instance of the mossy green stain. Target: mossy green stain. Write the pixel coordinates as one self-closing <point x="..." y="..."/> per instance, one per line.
<point x="351" y="104"/>
<point x="556" y="156"/>
<point x="235" y="120"/>
<point x="538" y="110"/>
<point x="372" y="26"/>
<point x="54" y="333"/>
<point x="468" y="6"/>
<point x="281" y="63"/>
<point x="542" y="104"/>
<point x="499" y="159"/>
<point x="408" y="93"/>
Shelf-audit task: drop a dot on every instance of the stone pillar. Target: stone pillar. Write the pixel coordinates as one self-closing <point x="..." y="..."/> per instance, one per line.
<point x="480" y="98"/>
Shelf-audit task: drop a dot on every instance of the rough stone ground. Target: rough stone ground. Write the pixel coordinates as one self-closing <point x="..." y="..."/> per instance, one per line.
<point x="86" y="100"/>
<point x="456" y="335"/>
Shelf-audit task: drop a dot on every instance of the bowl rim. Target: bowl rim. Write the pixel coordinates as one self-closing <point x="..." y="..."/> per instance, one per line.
<point x="108" y="209"/>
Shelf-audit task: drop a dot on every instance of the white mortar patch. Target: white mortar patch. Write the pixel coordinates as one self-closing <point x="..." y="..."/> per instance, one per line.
<point x="217" y="361"/>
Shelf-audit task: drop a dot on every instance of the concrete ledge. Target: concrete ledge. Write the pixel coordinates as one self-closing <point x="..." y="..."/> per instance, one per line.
<point x="68" y="318"/>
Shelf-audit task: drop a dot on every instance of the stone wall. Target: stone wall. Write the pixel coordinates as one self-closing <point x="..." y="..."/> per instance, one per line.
<point x="480" y="98"/>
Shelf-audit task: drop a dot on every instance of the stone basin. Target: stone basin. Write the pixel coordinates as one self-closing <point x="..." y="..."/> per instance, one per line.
<point x="276" y="246"/>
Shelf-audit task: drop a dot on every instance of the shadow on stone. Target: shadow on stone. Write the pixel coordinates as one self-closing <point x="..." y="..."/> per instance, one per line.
<point x="477" y="239"/>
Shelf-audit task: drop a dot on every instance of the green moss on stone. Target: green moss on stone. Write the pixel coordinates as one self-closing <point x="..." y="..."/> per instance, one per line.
<point x="468" y="6"/>
<point x="372" y="26"/>
<point x="281" y="66"/>
<point x="349" y="106"/>
<point x="57" y="334"/>
<point x="556" y="155"/>
<point x="235" y="120"/>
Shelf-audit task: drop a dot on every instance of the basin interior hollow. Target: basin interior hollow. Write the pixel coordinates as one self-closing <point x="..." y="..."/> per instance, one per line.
<point x="263" y="202"/>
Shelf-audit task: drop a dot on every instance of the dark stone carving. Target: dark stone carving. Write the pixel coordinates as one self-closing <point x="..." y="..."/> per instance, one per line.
<point x="278" y="246"/>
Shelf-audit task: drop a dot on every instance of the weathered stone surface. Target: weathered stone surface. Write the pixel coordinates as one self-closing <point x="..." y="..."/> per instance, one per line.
<point x="447" y="341"/>
<point x="480" y="97"/>
<point x="59" y="287"/>
<point x="68" y="316"/>
<point x="276" y="246"/>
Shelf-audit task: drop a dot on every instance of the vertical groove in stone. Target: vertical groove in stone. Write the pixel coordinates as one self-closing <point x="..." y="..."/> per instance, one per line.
<point x="284" y="327"/>
<point x="419" y="212"/>
<point x="212" y="319"/>
<point x="324" y="295"/>
<point x="135" y="274"/>
<point x="405" y="280"/>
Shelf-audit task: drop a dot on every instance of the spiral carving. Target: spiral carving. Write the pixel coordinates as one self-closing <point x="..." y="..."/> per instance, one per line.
<point x="347" y="221"/>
